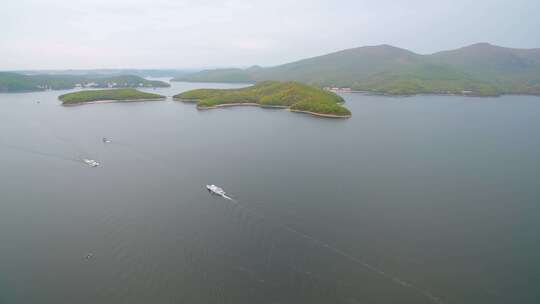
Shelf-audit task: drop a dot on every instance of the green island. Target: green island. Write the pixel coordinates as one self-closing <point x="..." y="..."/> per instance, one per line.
<point x="110" y="95"/>
<point x="295" y="96"/>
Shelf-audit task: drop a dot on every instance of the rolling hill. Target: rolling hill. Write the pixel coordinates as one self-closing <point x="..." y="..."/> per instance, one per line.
<point x="479" y="69"/>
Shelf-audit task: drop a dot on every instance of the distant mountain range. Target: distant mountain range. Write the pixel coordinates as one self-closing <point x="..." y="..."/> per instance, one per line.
<point x="479" y="69"/>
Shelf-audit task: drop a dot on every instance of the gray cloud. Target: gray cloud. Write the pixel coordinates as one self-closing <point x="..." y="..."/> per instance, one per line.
<point x="186" y="34"/>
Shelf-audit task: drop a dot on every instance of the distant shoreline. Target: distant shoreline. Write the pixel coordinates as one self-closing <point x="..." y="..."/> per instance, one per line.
<point x="111" y="101"/>
<point x="375" y="93"/>
<point x="379" y="93"/>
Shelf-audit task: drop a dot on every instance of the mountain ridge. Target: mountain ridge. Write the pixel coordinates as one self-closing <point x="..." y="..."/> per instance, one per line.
<point x="477" y="69"/>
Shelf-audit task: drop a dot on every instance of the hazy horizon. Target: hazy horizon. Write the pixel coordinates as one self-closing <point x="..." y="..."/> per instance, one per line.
<point x="164" y="34"/>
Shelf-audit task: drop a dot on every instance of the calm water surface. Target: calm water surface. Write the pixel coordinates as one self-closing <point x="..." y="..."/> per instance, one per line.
<point x="413" y="200"/>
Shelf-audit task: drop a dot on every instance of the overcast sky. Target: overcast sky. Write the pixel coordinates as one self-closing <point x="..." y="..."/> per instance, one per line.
<point x="60" y="34"/>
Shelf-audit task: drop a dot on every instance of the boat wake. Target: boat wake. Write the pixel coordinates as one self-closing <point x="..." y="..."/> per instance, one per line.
<point x="373" y="268"/>
<point x="40" y="153"/>
<point x="135" y="151"/>
<point x="52" y="131"/>
<point x="229" y="198"/>
<point x="338" y="252"/>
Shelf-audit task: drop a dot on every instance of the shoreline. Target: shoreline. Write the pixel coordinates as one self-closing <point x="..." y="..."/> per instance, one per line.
<point x="239" y="104"/>
<point x="224" y="105"/>
<point x="321" y="114"/>
<point x="111" y="101"/>
<point x="185" y="100"/>
<point x="251" y="104"/>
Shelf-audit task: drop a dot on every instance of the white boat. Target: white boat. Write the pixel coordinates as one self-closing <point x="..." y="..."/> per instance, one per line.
<point x="90" y="162"/>
<point x="215" y="190"/>
<point x="106" y="140"/>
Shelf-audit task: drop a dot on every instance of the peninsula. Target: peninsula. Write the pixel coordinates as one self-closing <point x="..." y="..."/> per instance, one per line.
<point x="111" y="95"/>
<point x="294" y="96"/>
<point x="15" y="82"/>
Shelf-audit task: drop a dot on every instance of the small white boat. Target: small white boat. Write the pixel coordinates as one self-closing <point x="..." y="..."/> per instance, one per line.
<point x="90" y="162"/>
<point x="215" y="190"/>
<point x="106" y="140"/>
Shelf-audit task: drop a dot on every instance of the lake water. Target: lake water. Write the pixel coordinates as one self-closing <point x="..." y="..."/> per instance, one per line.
<point x="413" y="200"/>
